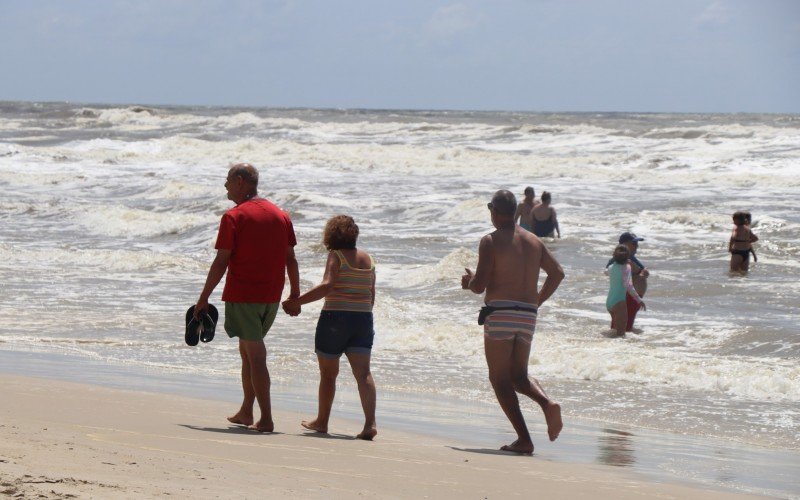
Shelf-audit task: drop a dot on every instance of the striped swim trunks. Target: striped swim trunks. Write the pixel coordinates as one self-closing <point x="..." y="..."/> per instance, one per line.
<point x="510" y="323"/>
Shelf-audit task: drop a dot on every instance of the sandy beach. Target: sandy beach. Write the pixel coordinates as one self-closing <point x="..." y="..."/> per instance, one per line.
<point x="61" y="439"/>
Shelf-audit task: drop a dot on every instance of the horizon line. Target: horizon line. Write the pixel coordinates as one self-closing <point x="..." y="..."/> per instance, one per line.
<point x="380" y="109"/>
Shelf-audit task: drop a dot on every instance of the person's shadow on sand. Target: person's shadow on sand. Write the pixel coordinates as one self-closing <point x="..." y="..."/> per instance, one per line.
<point x="488" y="451"/>
<point x="233" y="429"/>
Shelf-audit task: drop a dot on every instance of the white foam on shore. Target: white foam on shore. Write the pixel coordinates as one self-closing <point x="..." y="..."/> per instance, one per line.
<point x="764" y="380"/>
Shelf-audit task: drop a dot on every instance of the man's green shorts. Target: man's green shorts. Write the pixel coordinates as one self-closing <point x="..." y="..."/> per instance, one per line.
<point x="249" y="321"/>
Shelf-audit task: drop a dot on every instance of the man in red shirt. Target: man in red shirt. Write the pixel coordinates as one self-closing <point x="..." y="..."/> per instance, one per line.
<point x="255" y="245"/>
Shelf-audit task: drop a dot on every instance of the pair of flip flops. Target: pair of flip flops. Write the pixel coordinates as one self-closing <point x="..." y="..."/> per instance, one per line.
<point x="197" y="330"/>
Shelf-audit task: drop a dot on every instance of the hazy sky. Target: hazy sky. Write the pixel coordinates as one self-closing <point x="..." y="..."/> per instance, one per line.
<point x="534" y="55"/>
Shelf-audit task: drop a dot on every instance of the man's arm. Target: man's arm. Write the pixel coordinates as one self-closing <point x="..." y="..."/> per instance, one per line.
<point x="518" y="213"/>
<point x="642" y="272"/>
<point x="215" y="274"/>
<point x="293" y="270"/>
<point x="477" y="283"/>
<point x="554" y="275"/>
<point x="290" y="306"/>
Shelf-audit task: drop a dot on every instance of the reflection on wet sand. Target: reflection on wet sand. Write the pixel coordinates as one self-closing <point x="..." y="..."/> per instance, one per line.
<point x="616" y="448"/>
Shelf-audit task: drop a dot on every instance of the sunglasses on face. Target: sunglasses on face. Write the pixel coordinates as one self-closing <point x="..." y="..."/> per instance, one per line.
<point x="490" y="206"/>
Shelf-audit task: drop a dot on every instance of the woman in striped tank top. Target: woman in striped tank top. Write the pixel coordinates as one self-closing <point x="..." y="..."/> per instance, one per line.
<point x="345" y="323"/>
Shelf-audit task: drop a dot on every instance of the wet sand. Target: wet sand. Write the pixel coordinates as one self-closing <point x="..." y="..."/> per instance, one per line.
<point x="61" y="438"/>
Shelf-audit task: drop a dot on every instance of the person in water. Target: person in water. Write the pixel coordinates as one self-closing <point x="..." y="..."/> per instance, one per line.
<point x="741" y="242"/>
<point x="620" y="288"/>
<point x="639" y="275"/>
<point x="524" y="209"/>
<point x="544" y="219"/>
<point x="345" y="323"/>
<point x="509" y="261"/>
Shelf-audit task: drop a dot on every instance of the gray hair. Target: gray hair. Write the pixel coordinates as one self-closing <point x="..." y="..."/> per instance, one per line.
<point x="247" y="172"/>
<point x="504" y="202"/>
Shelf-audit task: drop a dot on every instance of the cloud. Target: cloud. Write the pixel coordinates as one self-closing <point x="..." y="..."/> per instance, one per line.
<point x="450" y="21"/>
<point x="716" y="14"/>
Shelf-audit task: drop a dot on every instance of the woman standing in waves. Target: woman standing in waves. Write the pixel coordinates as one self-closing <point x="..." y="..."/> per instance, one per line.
<point x="543" y="218"/>
<point x="741" y="243"/>
<point x="345" y="323"/>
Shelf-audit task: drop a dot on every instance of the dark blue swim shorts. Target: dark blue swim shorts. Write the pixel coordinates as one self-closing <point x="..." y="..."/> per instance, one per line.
<point x="343" y="331"/>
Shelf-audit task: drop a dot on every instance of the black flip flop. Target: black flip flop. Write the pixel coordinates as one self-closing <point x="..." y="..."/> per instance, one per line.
<point x="209" y="324"/>
<point x="192" y="335"/>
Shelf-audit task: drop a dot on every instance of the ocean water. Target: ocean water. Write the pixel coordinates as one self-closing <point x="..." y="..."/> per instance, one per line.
<point x="109" y="214"/>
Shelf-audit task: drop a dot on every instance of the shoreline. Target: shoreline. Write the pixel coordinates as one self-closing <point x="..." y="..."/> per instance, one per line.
<point x="115" y="443"/>
<point x="687" y="461"/>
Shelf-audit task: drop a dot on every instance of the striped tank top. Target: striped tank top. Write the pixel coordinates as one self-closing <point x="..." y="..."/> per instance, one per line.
<point x="353" y="288"/>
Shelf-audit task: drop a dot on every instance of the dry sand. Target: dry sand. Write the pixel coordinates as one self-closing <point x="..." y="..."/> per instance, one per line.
<point x="65" y="440"/>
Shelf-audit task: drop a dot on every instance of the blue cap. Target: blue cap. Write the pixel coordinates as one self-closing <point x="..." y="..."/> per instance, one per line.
<point x="628" y="237"/>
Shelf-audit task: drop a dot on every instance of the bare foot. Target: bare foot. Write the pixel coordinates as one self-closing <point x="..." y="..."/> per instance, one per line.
<point x="367" y="434"/>
<point x="240" y="419"/>
<point x="312" y="425"/>
<point x="517" y="447"/>
<point x="552" y="414"/>
<point x="262" y="426"/>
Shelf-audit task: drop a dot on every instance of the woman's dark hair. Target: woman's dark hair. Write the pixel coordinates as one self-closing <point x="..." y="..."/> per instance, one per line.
<point x="341" y="233"/>
<point x="621" y="254"/>
<point x="741" y="218"/>
<point x="545" y="197"/>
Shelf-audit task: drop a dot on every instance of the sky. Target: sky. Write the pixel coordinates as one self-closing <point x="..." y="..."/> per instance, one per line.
<point x="516" y="55"/>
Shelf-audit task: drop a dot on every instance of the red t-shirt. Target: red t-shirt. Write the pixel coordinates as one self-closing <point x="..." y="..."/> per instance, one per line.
<point x="259" y="234"/>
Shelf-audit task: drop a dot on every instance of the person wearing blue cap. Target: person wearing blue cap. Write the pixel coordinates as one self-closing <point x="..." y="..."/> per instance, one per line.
<point x="639" y="275"/>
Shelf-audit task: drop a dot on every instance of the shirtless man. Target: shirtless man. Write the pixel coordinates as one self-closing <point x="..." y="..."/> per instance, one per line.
<point x="524" y="213"/>
<point x="509" y="260"/>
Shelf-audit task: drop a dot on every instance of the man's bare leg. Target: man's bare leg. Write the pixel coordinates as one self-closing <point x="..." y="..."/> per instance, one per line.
<point x="328" y="371"/>
<point x="359" y="363"/>
<point x="259" y="377"/>
<point x="245" y="414"/>
<point x="498" y="359"/>
<point x="530" y="387"/>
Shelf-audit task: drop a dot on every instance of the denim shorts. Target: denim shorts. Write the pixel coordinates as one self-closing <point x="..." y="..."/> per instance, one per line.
<point x="343" y="331"/>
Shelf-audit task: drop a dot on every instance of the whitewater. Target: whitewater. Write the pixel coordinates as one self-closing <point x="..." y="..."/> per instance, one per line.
<point x="109" y="216"/>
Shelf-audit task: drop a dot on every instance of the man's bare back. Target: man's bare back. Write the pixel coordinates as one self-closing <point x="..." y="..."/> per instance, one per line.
<point x="509" y="262"/>
<point x="516" y="257"/>
<point x="525" y="213"/>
